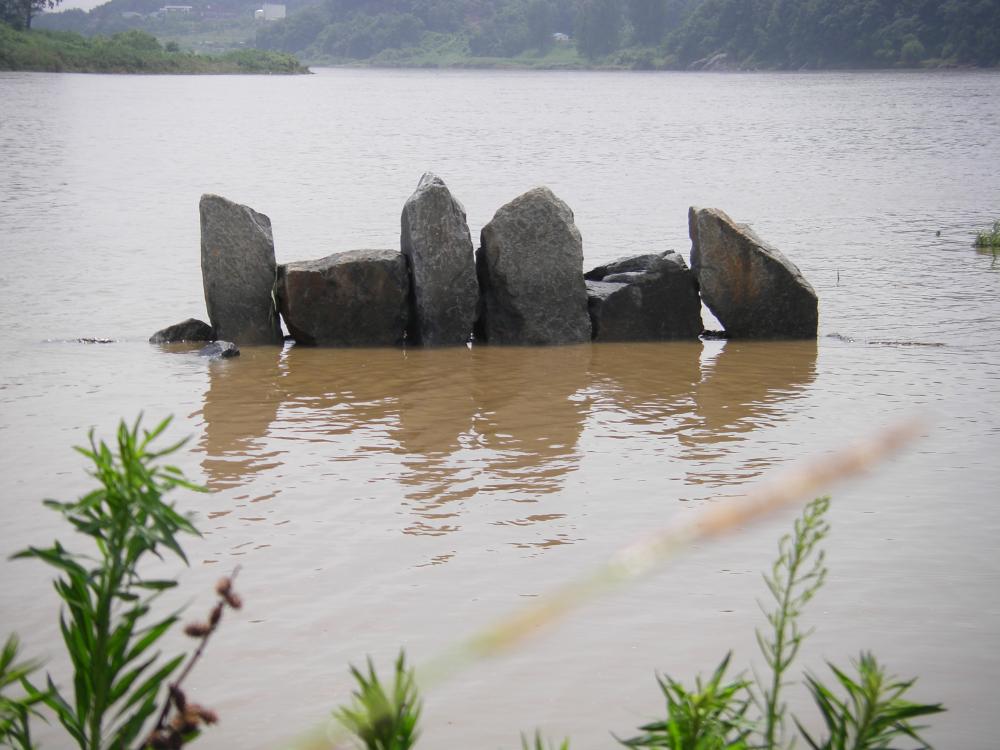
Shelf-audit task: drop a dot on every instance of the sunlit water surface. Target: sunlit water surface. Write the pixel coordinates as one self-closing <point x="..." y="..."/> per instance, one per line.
<point x="385" y="498"/>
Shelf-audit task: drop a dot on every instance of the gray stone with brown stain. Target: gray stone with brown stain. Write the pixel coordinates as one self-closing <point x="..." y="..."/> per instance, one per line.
<point x="355" y="298"/>
<point x="444" y="293"/>
<point x="530" y="268"/>
<point x="238" y="272"/>
<point x="657" y="304"/>
<point x="750" y="286"/>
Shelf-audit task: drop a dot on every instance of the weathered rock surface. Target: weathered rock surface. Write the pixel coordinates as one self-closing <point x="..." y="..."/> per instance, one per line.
<point x="622" y="265"/>
<point x="660" y="303"/>
<point x="187" y="330"/>
<point x="238" y="272"/>
<point x="530" y="268"/>
<point x="355" y="298"/>
<point x="435" y="238"/>
<point x="754" y="290"/>
<point x="220" y="350"/>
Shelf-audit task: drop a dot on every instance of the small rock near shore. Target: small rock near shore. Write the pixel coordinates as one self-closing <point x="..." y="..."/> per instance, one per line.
<point x="220" y="350"/>
<point x="187" y="330"/>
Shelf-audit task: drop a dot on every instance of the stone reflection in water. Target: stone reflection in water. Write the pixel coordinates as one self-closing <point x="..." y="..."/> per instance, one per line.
<point x="500" y="422"/>
<point x="241" y="402"/>
<point x="748" y="385"/>
<point x="646" y="385"/>
<point x="347" y="399"/>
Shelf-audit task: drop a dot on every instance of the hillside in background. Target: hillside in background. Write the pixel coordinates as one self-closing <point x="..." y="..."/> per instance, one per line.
<point x="642" y="34"/>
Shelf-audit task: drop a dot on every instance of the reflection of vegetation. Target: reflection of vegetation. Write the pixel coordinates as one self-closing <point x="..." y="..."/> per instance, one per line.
<point x="126" y="52"/>
<point x="989" y="238"/>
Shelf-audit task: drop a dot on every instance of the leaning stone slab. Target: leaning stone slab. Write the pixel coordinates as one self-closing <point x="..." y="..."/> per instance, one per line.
<point x="355" y="298"/>
<point x="659" y="304"/>
<point x="238" y="272"/>
<point x="435" y="239"/>
<point x="530" y="268"/>
<point x="754" y="290"/>
<point x="187" y="330"/>
<point x="220" y="350"/>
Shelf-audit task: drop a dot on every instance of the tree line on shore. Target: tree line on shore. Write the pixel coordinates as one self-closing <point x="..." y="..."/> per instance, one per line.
<point x="774" y="34"/>
<point x="670" y="34"/>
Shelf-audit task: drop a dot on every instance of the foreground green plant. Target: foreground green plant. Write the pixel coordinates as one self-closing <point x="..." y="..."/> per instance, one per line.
<point x="872" y="716"/>
<point x="539" y="743"/>
<point x="383" y="720"/>
<point x="795" y="578"/>
<point x="710" y="717"/>
<point x="989" y="238"/>
<point x="873" y="712"/>
<point x="118" y="677"/>
<point x="15" y="711"/>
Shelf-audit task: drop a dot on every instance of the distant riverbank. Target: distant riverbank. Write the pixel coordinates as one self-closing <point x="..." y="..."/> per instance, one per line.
<point x="127" y="52"/>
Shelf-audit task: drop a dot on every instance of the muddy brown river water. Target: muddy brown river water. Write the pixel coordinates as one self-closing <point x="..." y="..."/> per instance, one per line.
<point x="379" y="499"/>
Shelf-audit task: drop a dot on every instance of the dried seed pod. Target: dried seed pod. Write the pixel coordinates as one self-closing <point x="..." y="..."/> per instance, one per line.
<point x="197" y="629"/>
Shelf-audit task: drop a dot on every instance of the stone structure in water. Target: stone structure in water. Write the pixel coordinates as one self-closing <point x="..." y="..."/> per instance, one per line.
<point x="655" y="299"/>
<point x="750" y="286"/>
<point x="238" y="272"/>
<point x="434" y="237"/>
<point x="530" y="267"/>
<point x="524" y="286"/>
<point x="354" y="298"/>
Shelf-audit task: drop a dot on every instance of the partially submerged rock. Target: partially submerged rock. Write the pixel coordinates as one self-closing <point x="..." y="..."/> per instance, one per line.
<point x="659" y="303"/>
<point x="354" y="298"/>
<point x="238" y="272"/>
<point x="187" y="330"/>
<point x="435" y="238"/>
<point x="750" y="286"/>
<point x="220" y="350"/>
<point x="530" y="269"/>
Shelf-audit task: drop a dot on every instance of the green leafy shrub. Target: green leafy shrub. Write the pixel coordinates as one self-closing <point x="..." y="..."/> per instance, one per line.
<point x="118" y="675"/>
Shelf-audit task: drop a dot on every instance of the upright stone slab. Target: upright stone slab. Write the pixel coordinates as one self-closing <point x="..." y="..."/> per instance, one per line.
<point x="356" y="298"/>
<point x="659" y="303"/>
<point x="754" y="290"/>
<point x="435" y="239"/>
<point x="530" y="269"/>
<point x="238" y="272"/>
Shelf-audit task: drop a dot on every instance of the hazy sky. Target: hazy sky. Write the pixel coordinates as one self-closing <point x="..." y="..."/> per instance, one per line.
<point x="84" y="4"/>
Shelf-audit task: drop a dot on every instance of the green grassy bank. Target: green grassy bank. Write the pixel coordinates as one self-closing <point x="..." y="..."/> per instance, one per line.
<point x="127" y="52"/>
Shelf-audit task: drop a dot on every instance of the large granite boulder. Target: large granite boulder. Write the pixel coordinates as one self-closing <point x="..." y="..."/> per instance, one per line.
<point x="435" y="239"/>
<point x="187" y="330"/>
<point x="355" y="298"/>
<point x="754" y="290"/>
<point x="657" y="303"/>
<point x="238" y="272"/>
<point x="530" y="268"/>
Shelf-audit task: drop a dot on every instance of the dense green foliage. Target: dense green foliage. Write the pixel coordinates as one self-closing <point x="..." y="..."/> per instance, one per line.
<point x="126" y="52"/>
